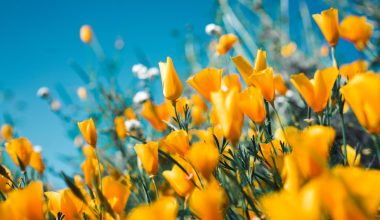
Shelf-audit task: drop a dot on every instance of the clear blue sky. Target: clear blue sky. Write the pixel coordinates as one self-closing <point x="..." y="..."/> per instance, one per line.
<point x="38" y="38"/>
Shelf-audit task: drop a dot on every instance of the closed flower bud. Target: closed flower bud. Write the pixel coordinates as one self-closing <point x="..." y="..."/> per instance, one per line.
<point x="228" y="113"/>
<point x="171" y="84"/>
<point x="86" y="34"/>
<point x="7" y="131"/>
<point x="148" y="155"/>
<point x="43" y="92"/>
<point x="88" y="130"/>
<point x="328" y="23"/>
<point x="225" y="44"/>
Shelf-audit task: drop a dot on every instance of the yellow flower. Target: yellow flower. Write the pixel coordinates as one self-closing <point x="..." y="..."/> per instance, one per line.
<point x="311" y="149"/>
<point x="204" y="157"/>
<point x="148" y="155"/>
<point x="225" y="44"/>
<point x="328" y="23"/>
<point x="24" y="203"/>
<point x="292" y="205"/>
<point x="20" y="149"/>
<point x="280" y="85"/>
<point x="261" y="60"/>
<point x="350" y="70"/>
<point x="363" y="95"/>
<point x="228" y="113"/>
<point x="116" y="192"/>
<point x="209" y="203"/>
<point x="90" y="168"/>
<point x="156" y="114"/>
<point x="5" y="183"/>
<point x="163" y="208"/>
<point x="316" y="92"/>
<point x="246" y="69"/>
<point x="66" y="202"/>
<point x="231" y="81"/>
<point x="129" y="114"/>
<point x="353" y="158"/>
<point x="260" y="75"/>
<point x="7" y="131"/>
<point x="288" y="49"/>
<point x="86" y="34"/>
<point x="273" y="154"/>
<point x="357" y="30"/>
<point x="177" y="142"/>
<point x="121" y="130"/>
<point x="252" y="104"/>
<point x="171" y="84"/>
<point x="179" y="180"/>
<point x="264" y="80"/>
<point x="206" y="81"/>
<point x="88" y="130"/>
<point x="350" y="198"/>
<point x="89" y="152"/>
<point x="199" y="110"/>
<point x="37" y="162"/>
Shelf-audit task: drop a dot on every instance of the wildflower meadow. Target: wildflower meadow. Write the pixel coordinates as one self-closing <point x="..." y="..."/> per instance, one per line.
<point x="262" y="125"/>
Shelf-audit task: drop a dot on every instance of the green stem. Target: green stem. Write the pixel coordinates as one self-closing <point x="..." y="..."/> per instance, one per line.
<point x="280" y="122"/>
<point x="377" y="146"/>
<point x="269" y="123"/>
<point x="155" y="187"/>
<point x="100" y="180"/>
<point x="344" y="137"/>
<point x="176" y="115"/>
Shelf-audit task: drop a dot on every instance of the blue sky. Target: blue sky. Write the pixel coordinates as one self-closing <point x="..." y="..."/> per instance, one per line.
<point x="38" y="38"/>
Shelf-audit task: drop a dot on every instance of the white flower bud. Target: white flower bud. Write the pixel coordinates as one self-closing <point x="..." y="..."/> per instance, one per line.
<point x="213" y="29"/>
<point x="43" y="92"/>
<point x="140" y="97"/>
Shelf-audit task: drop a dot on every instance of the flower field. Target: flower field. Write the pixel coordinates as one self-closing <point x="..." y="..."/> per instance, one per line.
<point x="269" y="128"/>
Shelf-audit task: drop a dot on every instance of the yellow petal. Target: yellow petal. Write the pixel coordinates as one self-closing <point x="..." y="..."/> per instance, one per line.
<point x="324" y="82"/>
<point x="304" y="87"/>
<point x="171" y="84"/>
<point x="264" y="80"/>
<point x="206" y="81"/>
<point x="329" y="25"/>
<point x="88" y="130"/>
<point x="261" y="60"/>
<point x="148" y="154"/>
<point x="244" y="68"/>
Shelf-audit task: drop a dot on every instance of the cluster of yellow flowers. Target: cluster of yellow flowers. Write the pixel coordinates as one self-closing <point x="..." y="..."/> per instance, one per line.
<point x="214" y="164"/>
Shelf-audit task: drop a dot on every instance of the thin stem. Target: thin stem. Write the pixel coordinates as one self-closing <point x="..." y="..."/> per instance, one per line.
<point x="280" y="122"/>
<point x="344" y="137"/>
<point x="155" y="187"/>
<point x="377" y="146"/>
<point x="334" y="63"/>
<point x="269" y="123"/>
<point x="176" y="115"/>
<point x="100" y="179"/>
